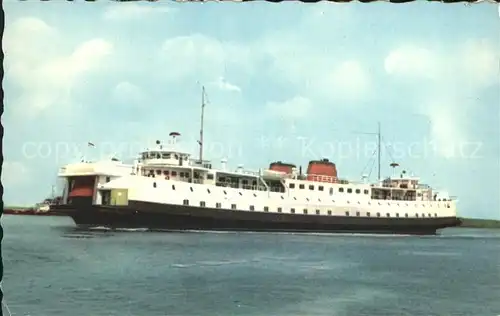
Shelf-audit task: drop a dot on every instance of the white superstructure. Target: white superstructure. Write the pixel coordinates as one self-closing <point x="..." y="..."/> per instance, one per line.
<point x="190" y="192"/>
<point x="171" y="177"/>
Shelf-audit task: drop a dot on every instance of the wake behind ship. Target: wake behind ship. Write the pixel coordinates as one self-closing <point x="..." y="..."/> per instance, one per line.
<point x="168" y="189"/>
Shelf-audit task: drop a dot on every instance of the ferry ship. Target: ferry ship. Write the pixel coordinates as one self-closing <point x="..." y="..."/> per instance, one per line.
<point x="166" y="188"/>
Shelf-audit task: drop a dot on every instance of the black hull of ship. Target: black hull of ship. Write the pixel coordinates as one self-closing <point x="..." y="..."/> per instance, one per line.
<point x="181" y="217"/>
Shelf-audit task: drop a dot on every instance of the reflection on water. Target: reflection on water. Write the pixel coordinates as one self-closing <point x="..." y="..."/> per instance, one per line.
<point x="54" y="268"/>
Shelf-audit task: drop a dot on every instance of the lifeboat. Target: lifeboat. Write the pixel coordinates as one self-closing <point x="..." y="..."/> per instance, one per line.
<point x="322" y="171"/>
<point x="279" y="166"/>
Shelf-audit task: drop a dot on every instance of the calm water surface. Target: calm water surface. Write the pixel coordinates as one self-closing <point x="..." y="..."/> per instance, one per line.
<point x="53" y="269"/>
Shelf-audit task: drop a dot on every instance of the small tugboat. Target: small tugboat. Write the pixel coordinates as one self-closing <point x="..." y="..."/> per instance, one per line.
<point x="168" y="189"/>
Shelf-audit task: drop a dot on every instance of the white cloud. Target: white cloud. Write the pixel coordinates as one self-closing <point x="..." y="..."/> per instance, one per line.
<point x="14" y="173"/>
<point x="480" y="63"/>
<point x="473" y="64"/>
<point x="294" y="108"/>
<point x="202" y="57"/>
<point x="129" y="11"/>
<point x="222" y="84"/>
<point x="445" y="126"/>
<point x="321" y="74"/>
<point x="349" y="81"/>
<point x="127" y="93"/>
<point x="446" y="80"/>
<point x="412" y="61"/>
<point x="46" y="81"/>
<point x="28" y="40"/>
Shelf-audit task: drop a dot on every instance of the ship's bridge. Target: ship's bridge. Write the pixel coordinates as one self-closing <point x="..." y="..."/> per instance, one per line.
<point x="405" y="182"/>
<point x="164" y="156"/>
<point x="160" y="156"/>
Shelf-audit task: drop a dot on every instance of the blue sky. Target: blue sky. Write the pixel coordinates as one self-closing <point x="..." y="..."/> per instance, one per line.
<point x="290" y="82"/>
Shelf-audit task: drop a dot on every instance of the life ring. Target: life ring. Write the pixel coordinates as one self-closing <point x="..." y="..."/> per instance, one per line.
<point x="167" y="178"/>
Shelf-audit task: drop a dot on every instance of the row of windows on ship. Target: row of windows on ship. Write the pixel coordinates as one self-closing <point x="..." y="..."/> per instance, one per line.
<point x="173" y="173"/>
<point x="321" y="188"/>
<point x="306" y="211"/>
<point x="196" y="175"/>
<point x="295" y="198"/>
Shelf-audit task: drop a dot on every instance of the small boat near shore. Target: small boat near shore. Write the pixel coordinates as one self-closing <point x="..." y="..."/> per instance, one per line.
<point x="44" y="208"/>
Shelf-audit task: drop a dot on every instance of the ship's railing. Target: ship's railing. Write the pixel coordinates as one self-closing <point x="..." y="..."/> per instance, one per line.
<point x="205" y="163"/>
<point x="249" y="172"/>
<point x="397" y="186"/>
<point x="236" y="186"/>
<point x="423" y="186"/>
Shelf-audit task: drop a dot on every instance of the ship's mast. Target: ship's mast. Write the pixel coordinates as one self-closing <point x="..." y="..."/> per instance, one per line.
<point x="202" y="117"/>
<point x="379" y="145"/>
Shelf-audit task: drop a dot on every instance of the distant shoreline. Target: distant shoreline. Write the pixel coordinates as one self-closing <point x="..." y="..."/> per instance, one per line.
<point x="479" y="223"/>
<point x="466" y="222"/>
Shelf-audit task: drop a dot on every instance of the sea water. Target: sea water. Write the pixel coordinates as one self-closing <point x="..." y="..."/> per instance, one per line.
<point x="52" y="268"/>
